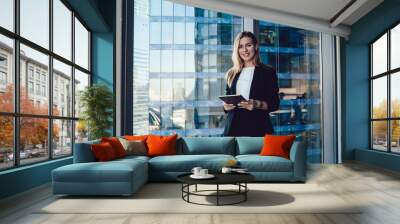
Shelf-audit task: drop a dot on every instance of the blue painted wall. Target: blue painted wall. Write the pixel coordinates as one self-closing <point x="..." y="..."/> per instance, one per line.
<point x="102" y="58"/>
<point x="24" y="178"/>
<point x="102" y="63"/>
<point x="103" y="51"/>
<point x="379" y="159"/>
<point x="103" y="46"/>
<point x="356" y="82"/>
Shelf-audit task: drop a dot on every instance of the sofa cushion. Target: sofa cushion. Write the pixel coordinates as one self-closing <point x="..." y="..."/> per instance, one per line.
<point x="103" y="152"/>
<point x="257" y="163"/>
<point x="132" y="158"/>
<point x="185" y="163"/>
<point x="206" y="145"/>
<point x="83" y="152"/>
<point x="249" y="145"/>
<point x="111" y="171"/>
<point x="134" y="147"/>
<point x="161" y="145"/>
<point x="277" y="145"/>
<point x="116" y="144"/>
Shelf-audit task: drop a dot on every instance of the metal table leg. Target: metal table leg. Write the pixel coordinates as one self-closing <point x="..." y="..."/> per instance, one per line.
<point x="220" y="193"/>
<point x="217" y="194"/>
<point x="245" y="194"/>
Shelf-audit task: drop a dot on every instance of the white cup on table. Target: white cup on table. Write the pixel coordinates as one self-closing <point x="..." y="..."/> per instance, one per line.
<point x="196" y="170"/>
<point x="203" y="172"/>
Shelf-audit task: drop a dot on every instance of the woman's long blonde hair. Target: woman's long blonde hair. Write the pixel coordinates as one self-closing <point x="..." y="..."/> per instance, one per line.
<point x="238" y="63"/>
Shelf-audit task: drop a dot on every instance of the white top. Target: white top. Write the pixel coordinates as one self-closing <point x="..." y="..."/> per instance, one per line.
<point x="243" y="84"/>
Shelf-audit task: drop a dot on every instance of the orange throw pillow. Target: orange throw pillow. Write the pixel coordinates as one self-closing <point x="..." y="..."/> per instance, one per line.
<point x="161" y="145"/>
<point x="103" y="151"/>
<point x="275" y="145"/>
<point x="116" y="145"/>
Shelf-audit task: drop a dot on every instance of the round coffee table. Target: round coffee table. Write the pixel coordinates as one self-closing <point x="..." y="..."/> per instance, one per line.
<point x="238" y="179"/>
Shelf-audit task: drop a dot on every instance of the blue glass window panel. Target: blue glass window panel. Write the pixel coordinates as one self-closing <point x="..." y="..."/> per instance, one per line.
<point x="179" y="33"/>
<point x="166" y="89"/>
<point x="167" y="33"/>
<point x="166" y="60"/>
<point x="190" y="88"/>
<point x="154" y="89"/>
<point x="179" y="9"/>
<point x="179" y="89"/>
<point x="155" y="61"/>
<point x="166" y="117"/>
<point x="202" y="33"/>
<point x="155" y="33"/>
<point x="189" y="11"/>
<point x="190" y="33"/>
<point x="213" y="34"/>
<point x="155" y="7"/>
<point x="179" y="61"/>
<point x="167" y="8"/>
<point x="190" y="61"/>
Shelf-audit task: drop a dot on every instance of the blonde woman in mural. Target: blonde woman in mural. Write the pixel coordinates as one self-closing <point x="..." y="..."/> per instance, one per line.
<point x="257" y="83"/>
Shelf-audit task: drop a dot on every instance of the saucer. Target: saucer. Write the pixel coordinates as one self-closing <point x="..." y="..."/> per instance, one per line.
<point x="208" y="176"/>
<point x="240" y="171"/>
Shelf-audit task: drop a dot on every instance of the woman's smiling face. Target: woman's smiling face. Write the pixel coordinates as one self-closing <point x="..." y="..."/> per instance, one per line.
<point x="247" y="49"/>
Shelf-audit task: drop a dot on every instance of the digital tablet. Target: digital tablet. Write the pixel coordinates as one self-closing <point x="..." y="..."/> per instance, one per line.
<point x="232" y="99"/>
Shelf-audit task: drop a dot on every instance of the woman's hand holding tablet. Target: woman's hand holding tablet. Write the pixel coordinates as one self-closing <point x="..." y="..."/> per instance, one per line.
<point x="232" y="99"/>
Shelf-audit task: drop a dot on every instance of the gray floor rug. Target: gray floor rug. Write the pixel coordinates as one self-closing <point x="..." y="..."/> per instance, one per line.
<point x="166" y="198"/>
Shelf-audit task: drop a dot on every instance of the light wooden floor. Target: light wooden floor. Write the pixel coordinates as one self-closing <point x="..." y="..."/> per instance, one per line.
<point x="377" y="188"/>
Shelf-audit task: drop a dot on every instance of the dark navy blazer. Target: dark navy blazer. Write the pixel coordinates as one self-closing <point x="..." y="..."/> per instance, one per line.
<point x="243" y="122"/>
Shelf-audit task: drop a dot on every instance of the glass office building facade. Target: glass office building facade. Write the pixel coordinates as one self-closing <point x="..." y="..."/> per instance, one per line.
<point x="189" y="50"/>
<point x="295" y="55"/>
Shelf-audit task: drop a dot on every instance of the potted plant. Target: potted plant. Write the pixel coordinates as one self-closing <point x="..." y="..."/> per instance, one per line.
<point x="96" y="102"/>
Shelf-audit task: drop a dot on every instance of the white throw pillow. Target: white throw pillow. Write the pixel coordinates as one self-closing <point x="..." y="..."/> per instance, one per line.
<point x="135" y="147"/>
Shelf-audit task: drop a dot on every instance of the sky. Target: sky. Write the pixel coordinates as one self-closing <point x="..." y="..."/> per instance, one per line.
<point x="35" y="27"/>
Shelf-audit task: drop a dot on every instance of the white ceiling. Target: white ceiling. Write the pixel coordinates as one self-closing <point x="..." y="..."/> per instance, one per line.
<point x="319" y="9"/>
<point x="317" y="15"/>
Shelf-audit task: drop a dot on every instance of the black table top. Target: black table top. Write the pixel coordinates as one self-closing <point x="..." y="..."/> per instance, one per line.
<point x="220" y="178"/>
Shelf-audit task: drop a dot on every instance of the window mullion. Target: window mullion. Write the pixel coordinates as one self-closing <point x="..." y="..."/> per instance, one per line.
<point x="50" y="81"/>
<point x="371" y="89"/>
<point x="389" y="106"/>
<point x="73" y="81"/>
<point x="16" y="69"/>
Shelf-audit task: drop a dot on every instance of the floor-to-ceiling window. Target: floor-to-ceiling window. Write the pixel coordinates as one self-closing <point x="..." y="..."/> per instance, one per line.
<point x="44" y="63"/>
<point x="385" y="95"/>
<point x="182" y="69"/>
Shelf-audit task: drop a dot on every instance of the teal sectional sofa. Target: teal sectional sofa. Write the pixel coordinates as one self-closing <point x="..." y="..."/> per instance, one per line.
<point x="125" y="176"/>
